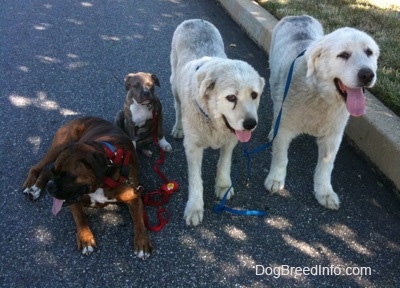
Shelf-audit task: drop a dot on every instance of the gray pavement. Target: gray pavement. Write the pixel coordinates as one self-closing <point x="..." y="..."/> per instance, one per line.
<point x="65" y="59"/>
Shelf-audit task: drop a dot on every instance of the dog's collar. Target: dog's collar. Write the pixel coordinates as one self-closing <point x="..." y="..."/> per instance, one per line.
<point x="109" y="146"/>
<point x="202" y="110"/>
<point x="117" y="158"/>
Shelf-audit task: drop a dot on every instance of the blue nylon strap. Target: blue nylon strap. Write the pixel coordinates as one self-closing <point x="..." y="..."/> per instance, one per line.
<point x="278" y="119"/>
<point x="219" y="208"/>
<point x="110" y="146"/>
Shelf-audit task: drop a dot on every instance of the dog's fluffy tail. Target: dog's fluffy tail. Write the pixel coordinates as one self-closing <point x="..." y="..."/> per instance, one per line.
<point x="119" y="120"/>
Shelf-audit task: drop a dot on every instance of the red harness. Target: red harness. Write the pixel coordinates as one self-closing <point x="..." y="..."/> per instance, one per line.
<point x="161" y="196"/>
<point x="119" y="159"/>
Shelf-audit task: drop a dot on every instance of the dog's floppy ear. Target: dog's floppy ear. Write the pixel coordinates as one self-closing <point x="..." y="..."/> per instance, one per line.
<point x="155" y="79"/>
<point x="313" y="54"/>
<point x="97" y="161"/>
<point x="127" y="81"/>
<point x="205" y="83"/>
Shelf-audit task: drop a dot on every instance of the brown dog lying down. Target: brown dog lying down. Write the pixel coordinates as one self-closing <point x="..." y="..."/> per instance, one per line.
<point x="91" y="163"/>
<point x="136" y="118"/>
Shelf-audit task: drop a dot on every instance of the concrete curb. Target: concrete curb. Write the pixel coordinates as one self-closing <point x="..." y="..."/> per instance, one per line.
<point x="377" y="133"/>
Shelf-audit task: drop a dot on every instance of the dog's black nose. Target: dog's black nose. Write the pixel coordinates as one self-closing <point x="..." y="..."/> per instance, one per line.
<point x="366" y="75"/>
<point x="51" y="187"/>
<point x="249" y="124"/>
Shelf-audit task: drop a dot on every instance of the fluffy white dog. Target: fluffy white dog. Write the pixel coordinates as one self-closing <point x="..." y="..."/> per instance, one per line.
<point x="216" y="102"/>
<point x="326" y="88"/>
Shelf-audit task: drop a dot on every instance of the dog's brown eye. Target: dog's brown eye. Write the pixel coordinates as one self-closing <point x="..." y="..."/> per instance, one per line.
<point x="253" y="95"/>
<point x="231" y="98"/>
<point x="344" y="55"/>
<point x="136" y="85"/>
<point x="368" y="52"/>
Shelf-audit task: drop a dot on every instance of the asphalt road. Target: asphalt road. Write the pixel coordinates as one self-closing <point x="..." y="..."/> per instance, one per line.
<point x="65" y="59"/>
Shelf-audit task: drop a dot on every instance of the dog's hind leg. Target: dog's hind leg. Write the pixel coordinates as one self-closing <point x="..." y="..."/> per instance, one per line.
<point x="328" y="147"/>
<point x="177" y="130"/>
<point x="38" y="174"/>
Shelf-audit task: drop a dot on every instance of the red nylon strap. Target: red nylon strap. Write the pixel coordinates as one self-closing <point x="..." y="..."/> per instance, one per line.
<point x="116" y="159"/>
<point x="161" y="196"/>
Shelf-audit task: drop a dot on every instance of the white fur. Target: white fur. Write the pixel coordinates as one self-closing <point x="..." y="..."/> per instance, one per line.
<point x="33" y="191"/>
<point x="142" y="255"/>
<point x="164" y="144"/>
<point x="313" y="105"/>
<point x="99" y="197"/>
<point x="140" y="113"/>
<point x="201" y="79"/>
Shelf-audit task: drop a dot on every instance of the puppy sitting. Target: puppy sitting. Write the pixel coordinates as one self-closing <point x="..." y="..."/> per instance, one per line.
<point x="136" y="118"/>
<point x="93" y="164"/>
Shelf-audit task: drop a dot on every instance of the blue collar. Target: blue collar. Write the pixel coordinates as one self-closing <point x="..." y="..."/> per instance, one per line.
<point x="201" y="110"/>
<point x="109" y="146"/>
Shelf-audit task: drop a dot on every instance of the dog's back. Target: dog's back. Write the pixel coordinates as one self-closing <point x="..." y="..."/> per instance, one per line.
<point x="291" y="35"/>
<point x="193" y="39"/>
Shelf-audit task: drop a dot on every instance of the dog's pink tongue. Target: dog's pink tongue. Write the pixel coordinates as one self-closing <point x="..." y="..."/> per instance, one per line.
<point x="355" y="102"/>
<point x="243" y="136"/>
<point x="57" y="205"/>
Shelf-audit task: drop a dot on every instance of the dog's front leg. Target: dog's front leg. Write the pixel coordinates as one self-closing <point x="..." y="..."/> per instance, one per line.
<point x="275" y="180"/>
<point x="84" y="236"/>
<point x="141" y="243"/>
<point x="223" y="179"/>
<point x="328" y="147"/>
<point x="195" y="205"/>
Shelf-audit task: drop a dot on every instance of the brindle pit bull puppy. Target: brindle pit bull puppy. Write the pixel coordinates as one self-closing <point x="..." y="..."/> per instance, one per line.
<point x="91" y="163"/>
<point x="136" y="118"/>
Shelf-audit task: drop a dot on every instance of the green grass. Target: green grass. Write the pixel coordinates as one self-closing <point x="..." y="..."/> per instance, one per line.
<point x="379" y="18"/>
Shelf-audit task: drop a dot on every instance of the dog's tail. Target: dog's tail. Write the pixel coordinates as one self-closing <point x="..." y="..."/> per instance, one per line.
<point x="119" y="120"/>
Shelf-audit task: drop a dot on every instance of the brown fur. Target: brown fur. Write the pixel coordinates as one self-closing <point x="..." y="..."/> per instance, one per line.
<point x="76" y="149"/>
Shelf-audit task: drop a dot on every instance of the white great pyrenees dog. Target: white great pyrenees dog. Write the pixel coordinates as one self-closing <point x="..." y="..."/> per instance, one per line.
<point x="216" y="103"/>
<point x="326" y="88"/>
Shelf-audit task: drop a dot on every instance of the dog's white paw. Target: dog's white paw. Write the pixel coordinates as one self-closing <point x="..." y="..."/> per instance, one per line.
<point x="177" y="132"/>
<point x="193" y="214"/>
<point x="220" y="192"/>
<point x="165" y="145"/>
<point x="87" y="250"/>
<point x="328" y="199"/>
<point x="274" y="185"/>
<point x="33" y="192"/>
<point x="142" y="255"/>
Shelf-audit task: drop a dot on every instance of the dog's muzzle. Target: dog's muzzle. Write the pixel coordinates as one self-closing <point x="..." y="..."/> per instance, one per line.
<point x="71" y="196"/>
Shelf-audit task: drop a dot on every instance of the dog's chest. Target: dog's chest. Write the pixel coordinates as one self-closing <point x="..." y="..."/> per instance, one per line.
<point x="98" y="197"/>
<point x="140" y="114"/>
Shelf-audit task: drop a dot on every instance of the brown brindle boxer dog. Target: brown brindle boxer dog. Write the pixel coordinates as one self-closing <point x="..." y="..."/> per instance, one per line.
<point x="91" y="163"/>
<point x="136" y="118"/>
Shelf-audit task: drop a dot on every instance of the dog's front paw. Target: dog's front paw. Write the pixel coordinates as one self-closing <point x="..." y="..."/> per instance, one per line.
<point x="142" y="246"/>
<point x="86" y="242"/>
<point x="165" y="145"/>
<point x="193" y="214"/>
<point x="33" y="192"/>
<point x="177" y="132"/>
<point x="274" y="184"/>
<point x="327" y="198"/>
<point x="220" y="192"/>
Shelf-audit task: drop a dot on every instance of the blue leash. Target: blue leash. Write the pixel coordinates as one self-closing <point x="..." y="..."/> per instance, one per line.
<point x="219" y="208"/>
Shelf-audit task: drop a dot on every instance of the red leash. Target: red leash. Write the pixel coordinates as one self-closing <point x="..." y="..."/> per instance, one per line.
<point x="161" y="196"/>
